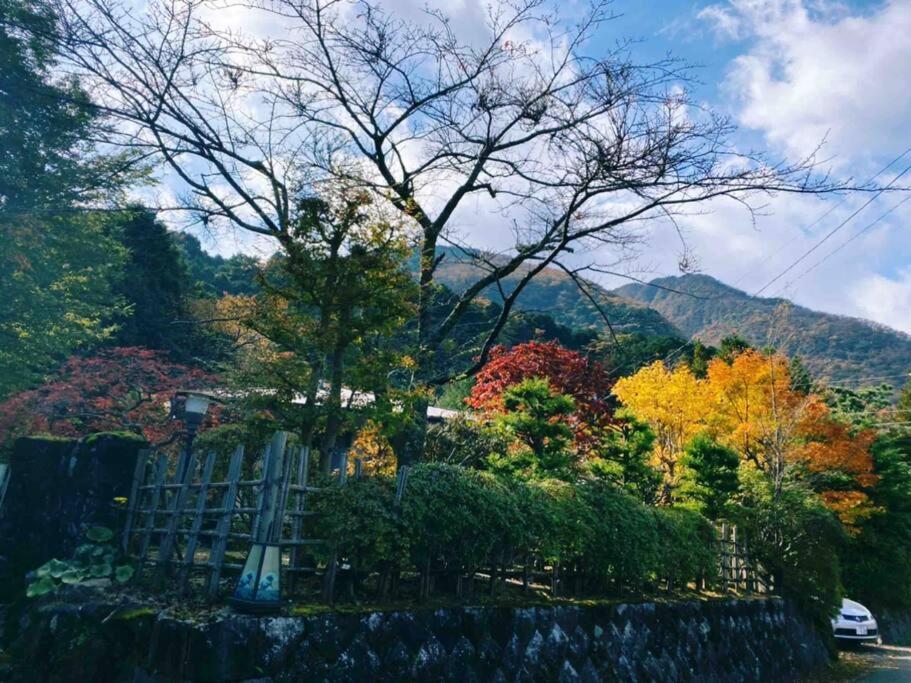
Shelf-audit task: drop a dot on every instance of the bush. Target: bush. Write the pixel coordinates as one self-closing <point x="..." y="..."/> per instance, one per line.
<point x="455" y="517"/>
<point x="795" y="538"/>
<point x="361" y="518"/>
<point x="687" y="551"/>
<point x="463" y="441"/>
<point x="457" y="520"/>
<point x="622" y="544"/>
<point x="877" y="560"/>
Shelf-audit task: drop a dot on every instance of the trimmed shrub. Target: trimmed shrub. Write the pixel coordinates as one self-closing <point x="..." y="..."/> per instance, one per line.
<point x="688" y="551"/>
<point x="361" y="518"/>
<point x="623" y="545"/>
<point x="454" y="520"/>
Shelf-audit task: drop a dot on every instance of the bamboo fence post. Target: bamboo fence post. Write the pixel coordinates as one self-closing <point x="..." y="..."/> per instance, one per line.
<point x="297" y="522"/>
<point x="201" y="499"/>
<point x="176" y="513"/>
<point x="219" y="545"/>
<point x="5" y="474"/>
<point x="142" y="458"/>
<point x="149" y="526"/>
<point x="332" y="566"/>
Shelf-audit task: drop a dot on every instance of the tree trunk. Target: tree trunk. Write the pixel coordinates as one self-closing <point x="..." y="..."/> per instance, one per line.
<point x="333" y="408"/>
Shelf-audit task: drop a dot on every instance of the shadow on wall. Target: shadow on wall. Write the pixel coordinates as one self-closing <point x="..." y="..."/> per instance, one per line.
<point x="58" y="487"/>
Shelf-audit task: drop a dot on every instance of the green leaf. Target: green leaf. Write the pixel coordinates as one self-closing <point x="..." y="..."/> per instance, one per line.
<point x="84" y="550"/>
<point x="72" y="576"/>
<point x="42" y="586"/>
<point x="56" y="568"/>
<point x="99" y="534"/>
<point x="101" y="570"/>
<point x="124" y="573"/>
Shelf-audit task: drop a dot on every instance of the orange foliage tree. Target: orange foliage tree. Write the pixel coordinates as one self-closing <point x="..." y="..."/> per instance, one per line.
<point x="748" y="404"/>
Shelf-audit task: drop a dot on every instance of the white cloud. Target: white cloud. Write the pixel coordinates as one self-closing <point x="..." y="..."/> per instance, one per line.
<point x="885" y="299"/>
<point x="815" y="71"/>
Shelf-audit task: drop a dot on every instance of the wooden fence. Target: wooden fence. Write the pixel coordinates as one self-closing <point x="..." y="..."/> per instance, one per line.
<point x="4" y="483"/>
<point x="194" y="521"/>
<point x="737" y="571"/>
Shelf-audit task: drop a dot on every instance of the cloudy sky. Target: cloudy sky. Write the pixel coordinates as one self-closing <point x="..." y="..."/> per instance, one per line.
<point x="790" y="73"/>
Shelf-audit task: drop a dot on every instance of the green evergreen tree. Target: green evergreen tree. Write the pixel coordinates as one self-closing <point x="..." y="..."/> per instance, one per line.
<point x="710" y="477"/>
<point x="624" y="459"/>
<point x="535" y="417"/>
<point x="801" y="380"/>
<point x="156" y="286"/>
<point x="732" y="345"/>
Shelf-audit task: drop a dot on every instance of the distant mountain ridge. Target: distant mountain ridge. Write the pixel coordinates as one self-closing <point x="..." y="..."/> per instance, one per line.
<point x="553" y="292"/>
<point x="834" y="347"/>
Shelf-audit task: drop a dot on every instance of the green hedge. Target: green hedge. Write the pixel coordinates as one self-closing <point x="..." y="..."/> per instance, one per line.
<point x="453" y="519"/>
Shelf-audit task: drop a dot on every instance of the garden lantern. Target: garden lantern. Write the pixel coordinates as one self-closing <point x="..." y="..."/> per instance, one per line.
<point x="259" y="589"/>
<point x="195" y="406"/>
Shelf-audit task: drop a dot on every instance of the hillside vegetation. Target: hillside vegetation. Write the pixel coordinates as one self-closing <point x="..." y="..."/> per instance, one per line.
<point x="553" y="292"/>
<point x="834" y="347"/>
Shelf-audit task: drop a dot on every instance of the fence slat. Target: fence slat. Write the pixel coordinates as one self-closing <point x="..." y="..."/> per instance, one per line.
<point x="298" y="513"/>
<point x="142" y="458"/>
<point x="201" y="499"/>
<point x="161" y="471"/>
<point x="176" y="510"/>
<point x="5" y="474"/>
<point x="220" y="544"/>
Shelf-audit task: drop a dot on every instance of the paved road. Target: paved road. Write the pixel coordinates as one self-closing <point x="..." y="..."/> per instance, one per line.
<point x="889" y="664"/>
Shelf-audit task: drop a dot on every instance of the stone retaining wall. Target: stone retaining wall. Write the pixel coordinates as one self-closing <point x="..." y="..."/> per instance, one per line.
<point x="725" y="640"/>
<point x="894" y="626"/>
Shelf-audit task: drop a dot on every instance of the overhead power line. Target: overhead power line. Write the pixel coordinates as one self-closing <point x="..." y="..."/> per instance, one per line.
<point x="824" y="215"/>
<point x="845" y="243"/>
<point x="829" y="234"/>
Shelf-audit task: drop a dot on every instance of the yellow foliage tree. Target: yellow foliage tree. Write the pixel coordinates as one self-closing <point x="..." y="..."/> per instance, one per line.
<point x="675" y="404"/>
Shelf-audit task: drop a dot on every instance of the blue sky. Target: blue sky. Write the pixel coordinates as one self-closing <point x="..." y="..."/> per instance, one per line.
<point x="790" y="73"/>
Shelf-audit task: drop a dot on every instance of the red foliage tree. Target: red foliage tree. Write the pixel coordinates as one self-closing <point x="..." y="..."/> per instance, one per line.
<point x="568" y="372"/>
<point x="120" y="389"/>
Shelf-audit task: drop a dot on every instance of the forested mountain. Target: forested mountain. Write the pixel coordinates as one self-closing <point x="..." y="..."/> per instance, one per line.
<point x="553" y="292"/>
<point x="833" y="347"/>
<point x="650" y="320"/>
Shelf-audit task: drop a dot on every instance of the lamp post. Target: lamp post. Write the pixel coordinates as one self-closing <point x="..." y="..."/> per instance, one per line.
<point x="195" y="406"/>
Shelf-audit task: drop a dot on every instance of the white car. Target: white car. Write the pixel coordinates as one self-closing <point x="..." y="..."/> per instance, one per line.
<point x="855" y="623"/>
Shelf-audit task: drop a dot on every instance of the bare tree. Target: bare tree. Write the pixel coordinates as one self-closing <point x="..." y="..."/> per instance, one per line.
<point x="574" y="144"/>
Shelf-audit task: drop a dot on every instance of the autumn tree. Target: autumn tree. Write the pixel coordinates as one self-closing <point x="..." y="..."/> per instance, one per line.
<point x="125" y="388"/>
<point x="325" y="316"/>
<point x="568" y="373"/>
<point x="675" y="404"/>
<point x="576" y="144"/>
<point x="747" y="402"/>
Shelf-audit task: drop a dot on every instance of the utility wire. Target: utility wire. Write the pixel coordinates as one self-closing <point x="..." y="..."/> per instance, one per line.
<point x="845" y="243"/>
<point x="826" y="214"/>
<point x="831" y="232"/>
